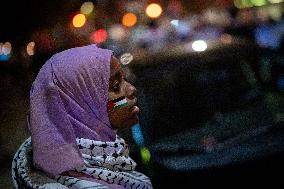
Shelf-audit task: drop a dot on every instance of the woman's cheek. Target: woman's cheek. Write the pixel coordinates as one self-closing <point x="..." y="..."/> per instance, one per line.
<point x="118" y="117"/>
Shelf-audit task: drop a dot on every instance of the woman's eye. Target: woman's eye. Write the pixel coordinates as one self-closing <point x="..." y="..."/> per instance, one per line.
<point x="116" y="85"/>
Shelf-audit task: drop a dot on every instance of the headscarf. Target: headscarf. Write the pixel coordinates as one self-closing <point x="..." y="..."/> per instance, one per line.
<point x="68" y="99"/>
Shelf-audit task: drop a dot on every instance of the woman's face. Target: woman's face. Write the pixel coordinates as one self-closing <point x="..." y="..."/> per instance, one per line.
<point x="119" y="87"/>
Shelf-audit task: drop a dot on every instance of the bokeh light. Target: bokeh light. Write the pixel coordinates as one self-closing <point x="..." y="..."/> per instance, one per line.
<point x="30" y="48"/>
<point x="243" y="4"/>
<point x="199" y="45"/>
<point x="276" y="1"/>
<point x="275" y="12"/>
<point x="99" y="36"/>
<point x="258" y="2"/>
<point x="87" y="8"/>
<point x="175" y="23"/>
<point x="129" y="19"/>
<point x="226" y="38"/>
<point x="5" y="51"/>
<point x="6" y="48"/>
<point x="250" y="3"/>
<point x="137" y="134"/>
<point x="145" y="155"/>
<point x="183" y="28"/>
<point x="139" y="33"/>
<point x="154" y="10"/>
<point x="79" y="20"/>
<point x="117" y="32"/>
<point x="126" y="58"/>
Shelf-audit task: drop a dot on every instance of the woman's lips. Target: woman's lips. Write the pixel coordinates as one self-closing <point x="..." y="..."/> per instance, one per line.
<point x="133" y="117"/>
<point x="135" y="110"/>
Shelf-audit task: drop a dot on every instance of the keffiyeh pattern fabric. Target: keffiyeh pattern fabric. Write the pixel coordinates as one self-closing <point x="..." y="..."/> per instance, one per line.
<point x="106" y="161"/>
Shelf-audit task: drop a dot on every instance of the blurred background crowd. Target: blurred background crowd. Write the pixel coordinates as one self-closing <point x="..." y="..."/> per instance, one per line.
<point x="33" y="30"/>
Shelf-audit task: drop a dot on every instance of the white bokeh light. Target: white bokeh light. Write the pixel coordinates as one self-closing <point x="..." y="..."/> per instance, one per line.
<point x="117" y="32"/>
<point x="126" y="58"/>
<point x="87" y="7"/>
<point x="175" y="23"/>
<point x="199" y="45"/>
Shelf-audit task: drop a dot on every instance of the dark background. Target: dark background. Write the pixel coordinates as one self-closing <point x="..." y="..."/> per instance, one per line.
<point x="163" y="86"/>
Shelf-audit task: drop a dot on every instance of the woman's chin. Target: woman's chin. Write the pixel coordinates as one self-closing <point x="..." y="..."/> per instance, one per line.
<point x="132" y="121"/>
<point x="126" y="123"/>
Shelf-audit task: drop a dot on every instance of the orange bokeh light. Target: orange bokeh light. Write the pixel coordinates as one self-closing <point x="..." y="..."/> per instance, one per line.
<point x="30" y="48"/>
<point x="129" y="19"/>
<point x="79" y="20"/>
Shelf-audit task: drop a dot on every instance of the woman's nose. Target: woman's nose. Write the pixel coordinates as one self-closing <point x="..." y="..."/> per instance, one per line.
<point x="130" y="91"/>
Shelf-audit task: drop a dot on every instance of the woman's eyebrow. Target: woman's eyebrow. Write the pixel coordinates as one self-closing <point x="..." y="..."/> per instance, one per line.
<point x="117" y="75"/>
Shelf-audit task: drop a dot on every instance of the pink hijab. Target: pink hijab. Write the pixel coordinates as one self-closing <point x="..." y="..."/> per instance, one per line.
<point x="68" y="99"/>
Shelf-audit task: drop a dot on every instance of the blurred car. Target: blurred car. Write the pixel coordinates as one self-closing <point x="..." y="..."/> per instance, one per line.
<point x="212" y="116"/>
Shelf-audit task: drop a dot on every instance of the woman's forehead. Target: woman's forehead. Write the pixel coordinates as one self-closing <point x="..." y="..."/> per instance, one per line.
<point x="115" y="66"/>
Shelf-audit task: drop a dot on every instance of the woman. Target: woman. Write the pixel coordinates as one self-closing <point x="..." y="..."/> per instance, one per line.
<point x="78" y="101"/>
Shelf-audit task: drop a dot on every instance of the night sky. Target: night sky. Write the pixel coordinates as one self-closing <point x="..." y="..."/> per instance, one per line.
<point x="20" y="18"/>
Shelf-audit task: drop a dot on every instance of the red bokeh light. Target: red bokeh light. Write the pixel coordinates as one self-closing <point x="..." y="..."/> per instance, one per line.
<point x="99" y="36"/>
